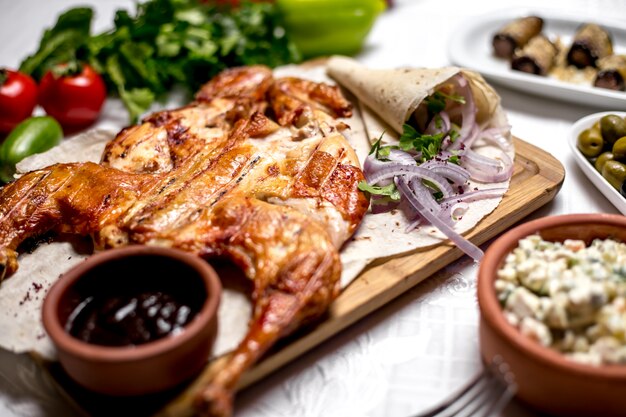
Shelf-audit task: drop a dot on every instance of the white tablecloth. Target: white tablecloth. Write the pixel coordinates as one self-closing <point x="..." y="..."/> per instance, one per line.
<point x="416" y="350"/>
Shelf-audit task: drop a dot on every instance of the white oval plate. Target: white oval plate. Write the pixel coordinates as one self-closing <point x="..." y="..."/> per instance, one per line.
<point x="596" y="178"/>
<point x="470" y="46"/>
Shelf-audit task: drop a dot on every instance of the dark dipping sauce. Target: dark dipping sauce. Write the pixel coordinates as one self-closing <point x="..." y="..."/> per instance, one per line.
<point x="134" y="300"/>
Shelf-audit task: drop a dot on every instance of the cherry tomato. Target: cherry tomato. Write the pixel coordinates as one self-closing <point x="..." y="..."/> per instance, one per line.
<point x="18" y="98"/>
<point x="74" y="99"/>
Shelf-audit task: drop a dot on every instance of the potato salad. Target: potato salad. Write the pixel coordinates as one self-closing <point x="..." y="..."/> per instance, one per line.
<point x="568" y="296"/>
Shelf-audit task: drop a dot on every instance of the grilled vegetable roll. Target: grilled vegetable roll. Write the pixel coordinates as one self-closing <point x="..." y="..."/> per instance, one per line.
<point x="612" y="74"/>
<point x="515" y="35"/>
<point x="537" y="57"/>
<point x="590" y="44"/>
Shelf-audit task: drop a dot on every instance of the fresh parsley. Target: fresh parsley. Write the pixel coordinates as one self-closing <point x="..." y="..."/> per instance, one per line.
<point x="389" y="191"/>
<point x="454" y="159"/>
<point x="436" y="102"/>
<point x="454" y="135"/>
<point x="381" y="152"/>
<point x="164" y="43"/>
<point x="376" y="146"/>
<point x="428" y="146"/>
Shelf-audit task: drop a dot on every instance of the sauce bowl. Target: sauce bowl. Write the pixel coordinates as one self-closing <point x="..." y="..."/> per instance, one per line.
<point x="135" y="369"/>
<point x="546" y="379"/>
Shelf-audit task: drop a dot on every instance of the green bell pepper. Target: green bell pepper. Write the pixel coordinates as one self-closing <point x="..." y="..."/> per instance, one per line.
<point x="33" y="135"/>
<point x="326" y="27"/>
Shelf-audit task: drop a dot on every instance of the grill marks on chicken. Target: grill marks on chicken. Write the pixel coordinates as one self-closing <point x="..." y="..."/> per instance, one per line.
<point x="255" y="170"/>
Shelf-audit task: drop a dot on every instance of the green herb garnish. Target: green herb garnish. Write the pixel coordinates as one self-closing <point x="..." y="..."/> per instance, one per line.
<point x="165" y="42"/>
<point x="427" y="145"/>
<point x="454" y="135"/>
<point x="379" y="151"/>
<point x="376" y="146"/>
<point x="436" y="102"/>
<point x="388" y="190"/>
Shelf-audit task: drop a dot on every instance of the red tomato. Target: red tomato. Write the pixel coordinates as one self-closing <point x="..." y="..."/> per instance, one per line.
<point x="74" y="100"/>
<point x="18" y="98"/>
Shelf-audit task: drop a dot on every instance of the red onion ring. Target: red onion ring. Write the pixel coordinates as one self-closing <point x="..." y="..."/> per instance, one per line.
<point x="465" y="245"/>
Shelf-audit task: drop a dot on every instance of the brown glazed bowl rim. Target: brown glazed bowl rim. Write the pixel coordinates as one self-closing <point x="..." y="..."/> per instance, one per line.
<point x="120" y="354"/>
<point x="491" y="311"/>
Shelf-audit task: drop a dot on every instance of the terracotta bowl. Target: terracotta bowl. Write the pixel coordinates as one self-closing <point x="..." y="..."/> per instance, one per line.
<point x="141" y="368"/>
<point x="547" y="380"/>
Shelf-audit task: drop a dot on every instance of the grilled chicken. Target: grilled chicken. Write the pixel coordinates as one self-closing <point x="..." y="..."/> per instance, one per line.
<point x="255" y="170"/>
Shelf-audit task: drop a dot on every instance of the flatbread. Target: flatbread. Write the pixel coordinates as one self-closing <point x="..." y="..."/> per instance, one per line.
<point x="395" y="94"/>
<point x="387" y="99"/>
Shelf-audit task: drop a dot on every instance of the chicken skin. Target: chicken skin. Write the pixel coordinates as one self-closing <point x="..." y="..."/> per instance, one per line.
<point x="255" y="170"/>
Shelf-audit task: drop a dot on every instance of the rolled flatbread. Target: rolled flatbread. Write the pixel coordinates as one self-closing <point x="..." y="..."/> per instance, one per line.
<point x="395" y="94"/>
<point x="390" y="98"/>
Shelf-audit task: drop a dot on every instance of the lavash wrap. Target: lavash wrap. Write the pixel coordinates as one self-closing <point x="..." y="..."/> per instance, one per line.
<point x="395" y="94"/>
<point x="388" y="98"/>
<point x="379" y="236"/>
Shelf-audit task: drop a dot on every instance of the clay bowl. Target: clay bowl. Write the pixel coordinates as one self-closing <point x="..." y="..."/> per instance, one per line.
<point x="547" y="380"/>
<point x="140" y="368"/>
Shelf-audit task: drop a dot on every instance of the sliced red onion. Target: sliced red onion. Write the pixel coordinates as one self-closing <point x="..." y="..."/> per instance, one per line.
<point x="413" y="225"/>
<point x="465" y="245"/>
<point x="444" y="119"/>
<point x="468" y="112"/>
<point x="409" y="211"/>
<point x="401" y="157"/>
<point x="426" y="197"/>
<point x="497" y="136"/>
<point x="471" y="196"/>
<point x="451" y="204"/>
<point x="392" y="170"/>
<point x="469" y="156"/>
<point x="471" y="137"/>
<point x="456" y="173"/>
<point x="486" y="169"/>
<point x="458" y="210"/>
<point x="373" y="165"/>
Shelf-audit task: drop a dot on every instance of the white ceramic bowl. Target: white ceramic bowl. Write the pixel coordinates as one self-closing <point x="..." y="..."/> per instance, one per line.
<point x="587" y="167"/>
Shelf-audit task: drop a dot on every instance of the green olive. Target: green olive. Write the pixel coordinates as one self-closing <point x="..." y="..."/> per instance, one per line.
<point x="619" y="149"/>
<point x="590" y="143"/>
<point x="615" y="173"/>
<point x="612" y="127"/>
<point x="596" y="125"/>
<point x="602" y="159"/>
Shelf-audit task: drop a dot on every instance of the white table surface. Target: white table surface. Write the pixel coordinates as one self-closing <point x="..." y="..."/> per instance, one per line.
<point x="419" y="348"/>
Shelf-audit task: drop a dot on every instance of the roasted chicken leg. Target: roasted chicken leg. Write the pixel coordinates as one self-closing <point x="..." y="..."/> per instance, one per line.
<point x="255" y="170"/>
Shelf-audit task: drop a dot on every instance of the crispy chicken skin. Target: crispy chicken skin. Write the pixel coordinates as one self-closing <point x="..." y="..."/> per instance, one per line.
<point x="255" y="170"/>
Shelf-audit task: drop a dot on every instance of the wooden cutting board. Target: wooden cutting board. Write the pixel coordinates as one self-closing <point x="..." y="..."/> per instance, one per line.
<point x="537" y="178"/>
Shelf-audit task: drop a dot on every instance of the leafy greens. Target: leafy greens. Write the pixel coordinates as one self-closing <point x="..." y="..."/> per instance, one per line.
<point x="166" y="42"/>
<point x="424" y="147"/>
